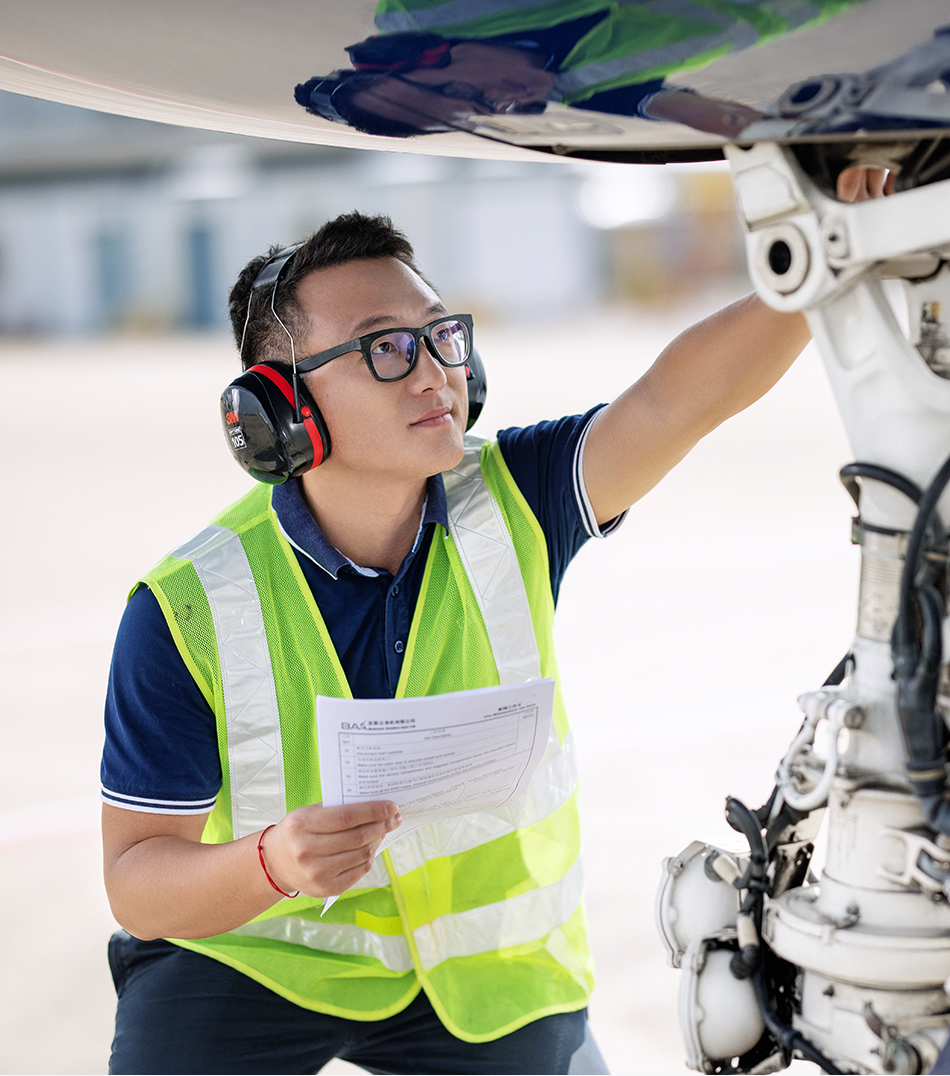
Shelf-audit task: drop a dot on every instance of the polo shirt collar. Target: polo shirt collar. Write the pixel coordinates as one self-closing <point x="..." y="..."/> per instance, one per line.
<point x="302" y="531"/>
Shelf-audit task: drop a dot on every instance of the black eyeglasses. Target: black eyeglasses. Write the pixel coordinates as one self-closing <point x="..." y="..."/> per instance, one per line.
<point x="392" y="354"/>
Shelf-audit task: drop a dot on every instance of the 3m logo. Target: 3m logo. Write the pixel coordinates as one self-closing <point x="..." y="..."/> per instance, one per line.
<point x="237" y="437"/>
<point x="231" y="418"/>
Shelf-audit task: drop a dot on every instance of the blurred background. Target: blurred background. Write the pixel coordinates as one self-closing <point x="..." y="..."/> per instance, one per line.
<point x="684" y="640"/>
<point x="109" y="224"/>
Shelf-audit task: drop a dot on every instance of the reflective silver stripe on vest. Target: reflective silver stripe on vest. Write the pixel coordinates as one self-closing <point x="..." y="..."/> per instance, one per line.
<point x="795" y="12"/>
<point x="391" y="950"/>
<point x="551" y="787"/>
<point x="733" y="35"/>
<point x="255" y="759"/>
<point x="510" y="922"/>
<point x="491" y="564"/>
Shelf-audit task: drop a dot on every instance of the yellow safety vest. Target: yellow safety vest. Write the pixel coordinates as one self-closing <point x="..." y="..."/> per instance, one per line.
<point x="483" y="912"/>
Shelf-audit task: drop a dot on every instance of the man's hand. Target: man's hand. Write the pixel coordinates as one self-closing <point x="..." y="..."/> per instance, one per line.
<point x="164" y="883"/>
<point x="863" y="184"/>
<point x="323" y="851"/>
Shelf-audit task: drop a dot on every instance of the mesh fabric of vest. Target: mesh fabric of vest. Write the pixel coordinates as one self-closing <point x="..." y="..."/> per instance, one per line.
<point x="479" y="995"/>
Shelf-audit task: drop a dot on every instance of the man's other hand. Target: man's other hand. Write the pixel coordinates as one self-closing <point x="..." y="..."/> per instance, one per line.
<point x="323" y="851"/>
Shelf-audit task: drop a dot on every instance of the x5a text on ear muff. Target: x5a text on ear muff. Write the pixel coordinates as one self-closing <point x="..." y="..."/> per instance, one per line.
<point x="257" y="413"/>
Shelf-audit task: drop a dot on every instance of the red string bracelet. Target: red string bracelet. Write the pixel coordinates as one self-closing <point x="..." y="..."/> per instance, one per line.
<point x="260" y="853"/>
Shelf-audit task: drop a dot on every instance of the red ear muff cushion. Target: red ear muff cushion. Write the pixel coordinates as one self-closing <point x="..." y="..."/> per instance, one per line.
<point x="309" y="412"/>
<point x="263" y="432"/>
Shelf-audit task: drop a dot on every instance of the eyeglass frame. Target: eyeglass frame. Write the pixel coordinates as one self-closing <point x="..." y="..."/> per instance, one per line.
<point x="363" y="343"/>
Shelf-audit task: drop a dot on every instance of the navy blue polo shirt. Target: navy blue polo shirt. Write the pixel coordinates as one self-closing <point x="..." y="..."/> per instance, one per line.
<point x="161" y="751"/>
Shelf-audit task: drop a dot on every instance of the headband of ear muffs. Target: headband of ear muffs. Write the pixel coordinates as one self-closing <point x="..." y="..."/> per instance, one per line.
<point x="274" y="428"/>
<point x="267" y="435"/>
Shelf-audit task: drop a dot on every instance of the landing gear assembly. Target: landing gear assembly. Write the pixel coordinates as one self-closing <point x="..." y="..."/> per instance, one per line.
<point x="849" y="969"/>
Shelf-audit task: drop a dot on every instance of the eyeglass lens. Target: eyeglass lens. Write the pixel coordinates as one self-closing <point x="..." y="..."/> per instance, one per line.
<point x="392" y="353"/>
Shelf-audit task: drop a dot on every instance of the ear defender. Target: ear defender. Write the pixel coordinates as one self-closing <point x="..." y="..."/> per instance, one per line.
<point x="477" y="387"/>
<point x="257" y="412"/>
<point x="274" y="428"/>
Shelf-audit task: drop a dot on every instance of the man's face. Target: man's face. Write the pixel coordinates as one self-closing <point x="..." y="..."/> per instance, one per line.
<point x="411" y="428"/>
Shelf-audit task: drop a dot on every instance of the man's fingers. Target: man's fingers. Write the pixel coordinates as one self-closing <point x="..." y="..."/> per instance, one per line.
<point x="347" y="879"/>
<point x="348" y="840"/>
<point x="333" y="874"/>
<point x="320" y="819"/>
<point x="324" y="850"/>
<point x="862" y="184"/>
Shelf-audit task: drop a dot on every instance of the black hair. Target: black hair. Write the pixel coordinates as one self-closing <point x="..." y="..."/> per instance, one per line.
<point x="350" y="237"/>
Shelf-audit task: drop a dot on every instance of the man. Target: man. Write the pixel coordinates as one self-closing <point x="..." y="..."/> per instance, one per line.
<point x="462" y="948"/>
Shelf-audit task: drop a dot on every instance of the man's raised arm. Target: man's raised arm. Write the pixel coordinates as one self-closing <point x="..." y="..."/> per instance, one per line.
<point x="709" y="373"/>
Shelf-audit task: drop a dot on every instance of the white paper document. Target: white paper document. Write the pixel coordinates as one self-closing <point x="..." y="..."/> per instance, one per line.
<point x="437" y="756"/>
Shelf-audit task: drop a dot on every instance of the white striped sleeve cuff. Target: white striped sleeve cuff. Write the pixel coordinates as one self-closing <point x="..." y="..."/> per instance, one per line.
<point x="580" y="491"/>
<point x="150" y="806"/>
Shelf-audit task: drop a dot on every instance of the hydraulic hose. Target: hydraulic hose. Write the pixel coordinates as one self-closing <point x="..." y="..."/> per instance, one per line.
<point x="755" y="882"/>
<point x="744" y="821"/>
<point x="921" y="724"/>
<point x="788" y="815"/>
<point x="917" y="653"/>
<point x="917" y="690"/>
<point x="837" y="674"/>
<point x="915" y="544"/>
<point x="853" y="471"/>
<point x="787" y="1037"/>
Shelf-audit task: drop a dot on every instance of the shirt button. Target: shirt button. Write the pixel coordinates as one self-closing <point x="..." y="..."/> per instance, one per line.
<point x="395" y="589"/>
<point x="399" y="646"/>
